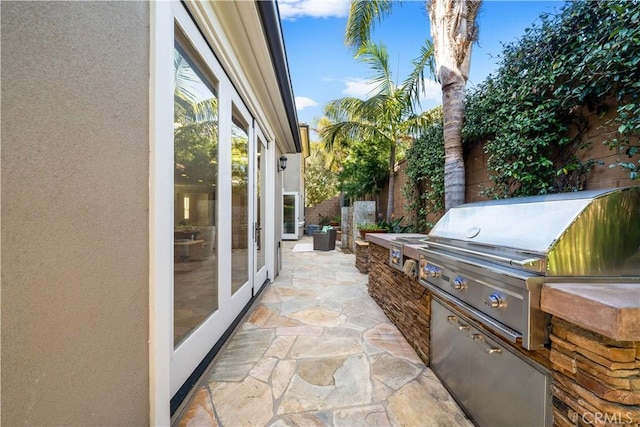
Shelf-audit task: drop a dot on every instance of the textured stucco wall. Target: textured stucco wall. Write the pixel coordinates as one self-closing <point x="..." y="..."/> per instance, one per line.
<point x="75" y="78"/>
<point x="292" y="177"/>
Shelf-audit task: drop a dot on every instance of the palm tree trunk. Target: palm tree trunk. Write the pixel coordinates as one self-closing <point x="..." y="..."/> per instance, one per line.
<point x="392" y="174"/>
<point x="453" y="114"/>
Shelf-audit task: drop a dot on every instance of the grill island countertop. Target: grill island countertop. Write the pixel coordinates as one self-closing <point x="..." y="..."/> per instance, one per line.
<point x="612" y="311"/>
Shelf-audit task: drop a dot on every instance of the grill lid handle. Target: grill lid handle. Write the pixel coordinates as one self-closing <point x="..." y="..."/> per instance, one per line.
<point x="532" y="264"/>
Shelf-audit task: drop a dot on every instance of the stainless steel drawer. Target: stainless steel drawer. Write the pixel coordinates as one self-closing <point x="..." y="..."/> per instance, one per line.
<point x="493" y="384"/>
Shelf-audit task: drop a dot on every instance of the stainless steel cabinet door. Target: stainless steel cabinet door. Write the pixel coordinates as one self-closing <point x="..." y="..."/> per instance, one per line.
<point x="490" y="382"/>
<point x="505" y="390"/>
<point x="450" y="351"/>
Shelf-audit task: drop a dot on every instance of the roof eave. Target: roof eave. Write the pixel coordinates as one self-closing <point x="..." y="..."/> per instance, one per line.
<point x="270" y="18"/>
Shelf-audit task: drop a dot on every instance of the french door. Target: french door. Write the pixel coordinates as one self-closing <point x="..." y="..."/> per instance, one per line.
<point x="220" y="190"/>
<point x="201" y="129"/>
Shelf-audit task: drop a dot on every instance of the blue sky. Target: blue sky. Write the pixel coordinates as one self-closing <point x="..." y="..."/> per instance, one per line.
<point x="323" y="69"/>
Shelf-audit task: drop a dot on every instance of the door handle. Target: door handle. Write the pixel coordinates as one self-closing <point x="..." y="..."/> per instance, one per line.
<point x="456" y="322"/>
<point x="257" y="229"/>
<point x="489" y="349"/>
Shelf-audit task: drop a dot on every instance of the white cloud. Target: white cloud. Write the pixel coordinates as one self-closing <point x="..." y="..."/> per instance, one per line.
<point x="432" y="92"/>
<point x="361" y="89"/>
<point x="357" y="88"/>
<point x="292" y="9"/>
<point x="303" y="102"/>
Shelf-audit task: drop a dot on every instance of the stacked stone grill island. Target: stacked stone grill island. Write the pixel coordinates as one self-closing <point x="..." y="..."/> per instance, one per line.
<point x="505" y="281"/>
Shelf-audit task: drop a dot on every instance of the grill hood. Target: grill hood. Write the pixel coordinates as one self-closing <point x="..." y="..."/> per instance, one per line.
<point x="586" y="233"/>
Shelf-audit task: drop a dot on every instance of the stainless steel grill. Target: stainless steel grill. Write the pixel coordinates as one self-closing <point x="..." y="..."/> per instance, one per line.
<point x="489" y="261"/>
<point x="492" y="257"/>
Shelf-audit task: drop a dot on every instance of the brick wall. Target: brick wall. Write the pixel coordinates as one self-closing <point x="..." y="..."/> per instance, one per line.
<point x="596" y="380"/>
<point x="404" y="301"/>
<point x="329" y="208"/>
<point x="603" y="176"/>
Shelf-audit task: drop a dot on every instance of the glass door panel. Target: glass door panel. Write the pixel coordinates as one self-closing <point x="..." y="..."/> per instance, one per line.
<point x="195" y="175"/>
<point x="289" y="206"/>
<point x="239" y="204"/>
<point x="290" y="215"/>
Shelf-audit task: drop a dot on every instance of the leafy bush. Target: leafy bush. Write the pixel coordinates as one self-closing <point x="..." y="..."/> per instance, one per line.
<point x="364" y="170"/>
<point x="371" y="226"/>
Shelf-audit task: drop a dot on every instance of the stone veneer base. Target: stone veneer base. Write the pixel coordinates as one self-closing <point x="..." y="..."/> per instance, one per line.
<point x="404" y="301"/>
<point x="596" y="379"/>
<point x="362" y="256"/>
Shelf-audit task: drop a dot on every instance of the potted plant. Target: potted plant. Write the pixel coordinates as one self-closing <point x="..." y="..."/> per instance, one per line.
<point x="323" y="220"/>
<point x="370" y="227"/>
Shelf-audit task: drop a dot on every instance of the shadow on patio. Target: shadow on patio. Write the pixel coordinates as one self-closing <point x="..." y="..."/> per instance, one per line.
<point x="316" y="350"/>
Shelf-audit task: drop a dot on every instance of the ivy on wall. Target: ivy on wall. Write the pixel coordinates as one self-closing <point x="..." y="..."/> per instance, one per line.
<point x="585" y="58"/>
<point x="531" y="115"/>
<point x="424" y="188"/>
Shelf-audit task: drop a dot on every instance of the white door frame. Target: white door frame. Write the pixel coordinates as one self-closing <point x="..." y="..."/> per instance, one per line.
<point x="260" y="274"/>
<point x="188" y="355"/>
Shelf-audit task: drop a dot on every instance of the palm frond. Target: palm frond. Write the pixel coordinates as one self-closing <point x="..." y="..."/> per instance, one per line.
<point x="342" y="133"/>
<point x="415" y="124"/>
<point x="377" y="57"/>
<point x="191" y="92"/>
<point x="362" y="18"/>
<point x="414" y="83"/>
<point x="185" y="80"/>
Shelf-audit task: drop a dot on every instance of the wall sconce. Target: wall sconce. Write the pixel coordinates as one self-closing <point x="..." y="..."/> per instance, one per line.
<point x="282" y="163"/>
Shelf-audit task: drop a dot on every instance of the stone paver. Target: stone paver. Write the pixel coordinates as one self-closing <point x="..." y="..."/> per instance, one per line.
<point x="316" y="350"/>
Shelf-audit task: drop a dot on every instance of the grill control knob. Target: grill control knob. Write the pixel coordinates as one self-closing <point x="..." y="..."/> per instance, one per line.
<point x="458" y="284"/>
<point x="433" y="271"/>
<point x="424" y="273"/>
<point x="494" y="301"/>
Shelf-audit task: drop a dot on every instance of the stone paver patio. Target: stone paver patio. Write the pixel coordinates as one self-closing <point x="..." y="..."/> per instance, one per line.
<point x="316" y="350"/>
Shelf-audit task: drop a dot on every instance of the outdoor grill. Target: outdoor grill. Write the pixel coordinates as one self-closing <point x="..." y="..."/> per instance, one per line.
<point x="486" y="263"/>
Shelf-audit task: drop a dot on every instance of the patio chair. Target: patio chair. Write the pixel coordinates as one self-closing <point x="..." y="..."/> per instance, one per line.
<point x="324" y="240"/>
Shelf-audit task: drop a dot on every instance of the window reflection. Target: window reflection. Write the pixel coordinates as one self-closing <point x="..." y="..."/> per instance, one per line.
<point x="240" y="204"/>
<point x="289" y="213"/>
<point x="195" y="196"/>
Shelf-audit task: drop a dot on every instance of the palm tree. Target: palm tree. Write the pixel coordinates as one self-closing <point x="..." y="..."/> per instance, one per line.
<point x="387" y="117"/>
<point x="453" y="30"/>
